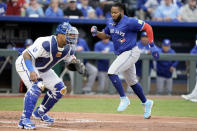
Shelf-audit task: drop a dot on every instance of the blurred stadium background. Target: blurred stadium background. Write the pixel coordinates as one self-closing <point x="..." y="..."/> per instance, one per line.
<point x="15" y="28"/>
<point x="29" y="19"/>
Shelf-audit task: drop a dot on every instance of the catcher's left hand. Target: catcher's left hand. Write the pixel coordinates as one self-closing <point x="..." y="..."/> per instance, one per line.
<point x="77" y="65"/>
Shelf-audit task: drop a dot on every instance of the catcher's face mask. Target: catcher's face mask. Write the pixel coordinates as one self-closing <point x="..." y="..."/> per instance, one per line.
<point x="72" y="35"/>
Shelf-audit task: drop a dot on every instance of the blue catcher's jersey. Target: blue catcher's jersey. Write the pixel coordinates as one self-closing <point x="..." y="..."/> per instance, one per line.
<point x="45" y="54"/>
<point x="124" y="33"/>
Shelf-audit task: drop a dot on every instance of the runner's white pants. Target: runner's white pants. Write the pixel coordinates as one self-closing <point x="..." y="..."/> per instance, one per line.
<point x="125" y="64"/>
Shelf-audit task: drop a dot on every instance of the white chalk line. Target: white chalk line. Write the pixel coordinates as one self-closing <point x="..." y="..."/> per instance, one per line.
<point x="37" y="125"/>
<point x="73" y="121"/>
<point x="52" y="128"/>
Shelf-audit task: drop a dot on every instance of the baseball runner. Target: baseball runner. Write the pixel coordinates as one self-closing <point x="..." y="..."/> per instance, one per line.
<point x="123" y="32"/>
<point x="34" y="68"/>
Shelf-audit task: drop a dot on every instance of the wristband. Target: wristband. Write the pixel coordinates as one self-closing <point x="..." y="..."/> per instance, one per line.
<point x="29" y="65"/>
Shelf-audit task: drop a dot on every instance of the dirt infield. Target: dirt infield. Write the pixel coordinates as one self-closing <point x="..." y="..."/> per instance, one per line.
<point x="101" y="122"/>
<point x="66" y="121"/>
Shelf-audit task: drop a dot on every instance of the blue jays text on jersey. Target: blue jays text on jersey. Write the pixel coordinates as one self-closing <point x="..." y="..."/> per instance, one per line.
<point x="117" y="32"/>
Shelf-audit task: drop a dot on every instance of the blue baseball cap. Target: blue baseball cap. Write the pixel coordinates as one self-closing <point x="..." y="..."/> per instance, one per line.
<point x="28" y="42"/>
<point x="143" y="34"/>
<point x="166" y="42"/>
<point x="62" y="28"/>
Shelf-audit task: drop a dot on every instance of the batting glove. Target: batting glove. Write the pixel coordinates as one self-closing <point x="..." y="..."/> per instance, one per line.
<point x="154" y="51"/>
<point x="94" y="30"/>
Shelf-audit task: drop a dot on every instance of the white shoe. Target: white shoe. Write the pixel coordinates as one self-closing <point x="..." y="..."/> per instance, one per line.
<point x="193" y="100"/>
<point x="124" y="103"/>
<point x="147" y="108"/>
<point x="187" y="97"/>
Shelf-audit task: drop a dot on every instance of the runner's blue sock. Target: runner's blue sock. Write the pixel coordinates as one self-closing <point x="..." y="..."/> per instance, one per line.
<point x="139" y="92"/>
<point x="117" y="84"/>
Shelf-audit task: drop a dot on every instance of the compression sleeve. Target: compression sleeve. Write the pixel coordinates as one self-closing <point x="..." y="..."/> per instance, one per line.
<point x="149" y="32"/>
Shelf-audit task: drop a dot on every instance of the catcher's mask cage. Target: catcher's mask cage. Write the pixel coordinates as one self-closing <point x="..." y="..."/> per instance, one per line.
<point x="72" y="35"/>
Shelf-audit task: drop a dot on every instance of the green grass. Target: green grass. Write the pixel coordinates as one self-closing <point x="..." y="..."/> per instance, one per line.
<point x="162" y="107"/>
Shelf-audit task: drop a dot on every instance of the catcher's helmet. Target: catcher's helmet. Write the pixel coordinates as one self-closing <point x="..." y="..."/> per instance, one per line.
<point x="62" y="28"/>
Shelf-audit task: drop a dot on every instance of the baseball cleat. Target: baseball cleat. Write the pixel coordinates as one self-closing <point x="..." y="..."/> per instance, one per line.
<point x="147" y="109"/>
<point x="37" y="114"/>
<point x="25" y="123"/>
<point x="193" y="100"/>
<point x="20" y="124"/>
<point x="124" y="103"/>
<point x="186" y="97"/>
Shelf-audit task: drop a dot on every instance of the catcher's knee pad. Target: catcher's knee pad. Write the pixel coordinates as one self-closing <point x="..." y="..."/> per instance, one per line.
<point x="36" y="89"/>
<point x="60" y="90"/>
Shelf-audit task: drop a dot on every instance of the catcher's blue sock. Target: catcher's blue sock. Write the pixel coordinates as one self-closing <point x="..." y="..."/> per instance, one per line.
<point x="139" y="92"/>
<point x="117" y="84"/>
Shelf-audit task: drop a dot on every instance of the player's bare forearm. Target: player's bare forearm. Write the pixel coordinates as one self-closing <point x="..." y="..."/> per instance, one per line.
<point x="102" y="35"/>
<point x="26" y="56"/>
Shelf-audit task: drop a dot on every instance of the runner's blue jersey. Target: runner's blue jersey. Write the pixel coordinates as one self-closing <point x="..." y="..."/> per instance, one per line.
<point x="124" y="33"/>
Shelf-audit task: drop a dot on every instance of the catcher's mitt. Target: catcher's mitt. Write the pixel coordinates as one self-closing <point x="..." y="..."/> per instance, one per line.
<point x="71" y="67"/>
<point x="76" y="65"/>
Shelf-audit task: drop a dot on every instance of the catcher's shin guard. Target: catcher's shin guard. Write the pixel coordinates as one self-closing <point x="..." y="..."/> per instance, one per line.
<point x="31" y="98"/>
<point x="48" y="102"/>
